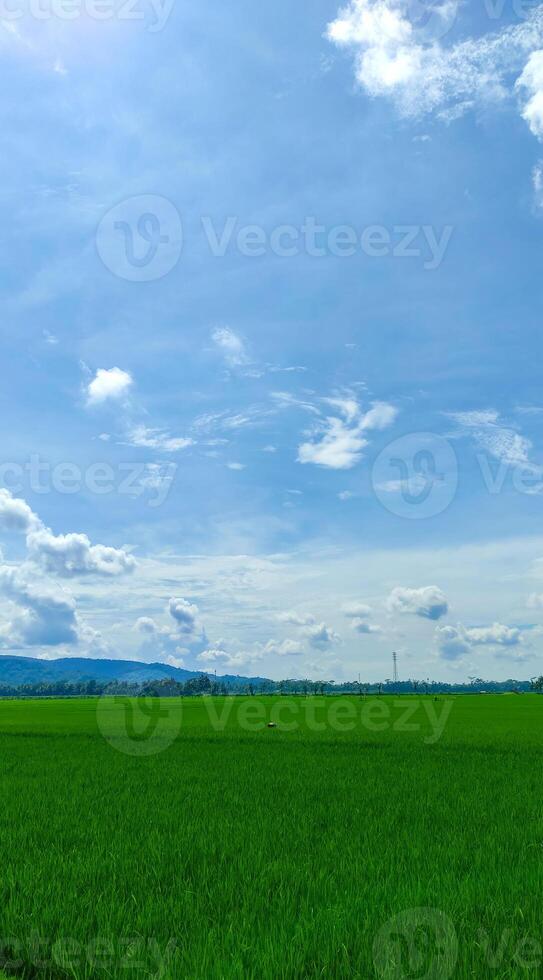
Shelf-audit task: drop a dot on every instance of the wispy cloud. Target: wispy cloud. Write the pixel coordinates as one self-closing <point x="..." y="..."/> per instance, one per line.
<point x="338" y="442"/>
<point x="231" y="346"/>
<point x="147" y="438"/>
<point x="492" y="436"/>
<point x="415" y="67"/>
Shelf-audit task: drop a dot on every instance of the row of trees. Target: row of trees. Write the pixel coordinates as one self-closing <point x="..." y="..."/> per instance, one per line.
<point x="203" y="684"/>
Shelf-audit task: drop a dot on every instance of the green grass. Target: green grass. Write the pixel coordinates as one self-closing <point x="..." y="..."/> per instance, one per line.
<point x="250" y="852"/>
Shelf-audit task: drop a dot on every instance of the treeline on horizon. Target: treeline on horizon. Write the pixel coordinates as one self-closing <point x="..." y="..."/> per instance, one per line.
<point x="205" y="685"/>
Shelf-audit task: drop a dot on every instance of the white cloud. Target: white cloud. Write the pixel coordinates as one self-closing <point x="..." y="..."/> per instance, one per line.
<point x="531" y="82"/>
<point x="284" y="648"/>
<point x="491" y="436"/>
<point x="47" y="619"/>
<point x="364" y="628"/>
<point x="495" y="635"/>
<point x="339" y="448"/>
<point x="231" y="346"/>
<point x="140" y="435"/>
<point x="68" y="555"/>
<point x="356" y="610"/>
<point x="65" y="555"/>
<point x="429" y="602"/>
<point x="537" y="181"/>
<point x="456" y="641"/>
<point x="184" y="637"/>
<point x="184" y="613"/>
<point x="358" y="613"/>
<point x="148" y="626"/>
<point x="338" y="443"/>
<point x="413" y="64"/>
<point x="379" y="417"/>
<point x="293" y="618"/>
<point x="15" y="514"/>
<point x="320" y="635"/>
<point x="109" y="385"/>
<point x="235" y="661"/>
<point x="452" y="642"/>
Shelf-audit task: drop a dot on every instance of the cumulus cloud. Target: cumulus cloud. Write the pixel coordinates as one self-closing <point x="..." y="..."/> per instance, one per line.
<point x="111" y="384"/>
<point x="182" y="635"/>
<point x="338" y="442"/>
<point x="364" y="628"/>
<point x="356" y="610"/>
<point x="456" y="641"/>
<point x="530" y="84"/>
<point x="65" y="555"/>
<point x="149" y="627"/>
<point x="230" y="661"/>
<point x="452" y="642"/>
<point x="320" y="636"/>
<point x="412" y="63"/>
<point x="185" y="615"/>
<point x="68" y="555"/>
<point x="284" y="648"/>
<point x="15" y="514"/>
<point x="47" y="619"/>
<point x="293" y="618"/>
<point x="495" y="635"/>
<point x="358" y="613"/>
<point x="429" y="602"/>
<point x="316" y="634"/>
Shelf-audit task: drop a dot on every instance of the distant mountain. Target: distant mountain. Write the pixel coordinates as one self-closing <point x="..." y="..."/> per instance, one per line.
<point x="28" y="670"/>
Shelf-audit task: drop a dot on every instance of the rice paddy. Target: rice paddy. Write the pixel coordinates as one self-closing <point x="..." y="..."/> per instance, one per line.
<point x="378" y="837"/>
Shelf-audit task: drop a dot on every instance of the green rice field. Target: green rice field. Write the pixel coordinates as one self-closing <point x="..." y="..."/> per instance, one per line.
<point x="392" y="837"/>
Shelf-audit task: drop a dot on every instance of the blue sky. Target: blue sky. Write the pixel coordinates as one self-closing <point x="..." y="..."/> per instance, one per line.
<point x="271" y="293"/>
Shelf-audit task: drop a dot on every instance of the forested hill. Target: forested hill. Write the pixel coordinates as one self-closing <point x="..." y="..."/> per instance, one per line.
<point x="27" y="670"/>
